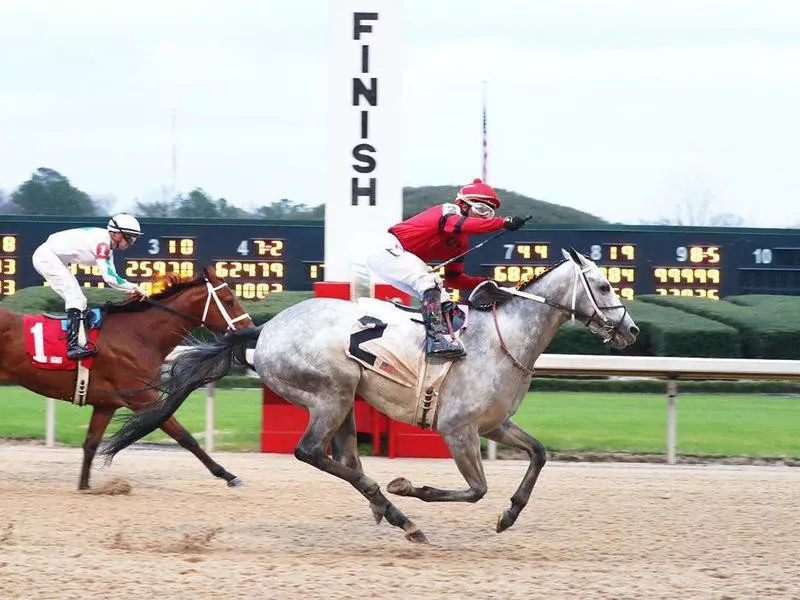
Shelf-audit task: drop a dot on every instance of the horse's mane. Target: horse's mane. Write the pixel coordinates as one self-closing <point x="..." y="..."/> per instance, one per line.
<point x="164" y="286"/>
<point x="485" y="298"/>
<point x="526" y="281"/>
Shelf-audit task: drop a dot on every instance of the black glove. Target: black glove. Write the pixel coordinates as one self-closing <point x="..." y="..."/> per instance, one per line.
<point x="513" y="223"/>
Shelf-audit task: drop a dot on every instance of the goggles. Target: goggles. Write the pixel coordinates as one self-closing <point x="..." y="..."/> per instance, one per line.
<point x="131" y="239"/>
<point x="481" y="209"/>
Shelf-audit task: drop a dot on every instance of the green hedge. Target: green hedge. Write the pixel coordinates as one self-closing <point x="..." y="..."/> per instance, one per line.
<point x="749" y="326"/>
<point x="577" y="339"/>
<point x="787" y="307"/>
<point x="763" y="333"/>
<point x="263" y="310"/>
<point x="35" y="300"/>
<point x="667" y="331"/>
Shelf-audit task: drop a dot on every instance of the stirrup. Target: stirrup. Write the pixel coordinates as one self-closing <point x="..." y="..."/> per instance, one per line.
<point x="444" y="348"/>
<point x="447" y="353"/>
<point x="79" y="352"/>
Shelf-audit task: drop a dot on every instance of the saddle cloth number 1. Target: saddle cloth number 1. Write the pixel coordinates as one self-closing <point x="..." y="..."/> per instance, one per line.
<point x="46" y="344"/>
<point x="38" y="345"/>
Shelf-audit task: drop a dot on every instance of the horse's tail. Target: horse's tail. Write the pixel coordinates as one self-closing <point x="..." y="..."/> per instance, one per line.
<point x="204" y="363"/>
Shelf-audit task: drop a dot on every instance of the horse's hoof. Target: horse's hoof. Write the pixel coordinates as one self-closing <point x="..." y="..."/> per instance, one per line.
<point x="417" y="536"/>
<point x="400" y="486"/>
<point x="504" y="521"/>
<point x="235" y="482"/>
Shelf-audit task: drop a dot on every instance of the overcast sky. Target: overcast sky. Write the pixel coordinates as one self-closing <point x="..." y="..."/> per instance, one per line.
<point x="621" y="108"/>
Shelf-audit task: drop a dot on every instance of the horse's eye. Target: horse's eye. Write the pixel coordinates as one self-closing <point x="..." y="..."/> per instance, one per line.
<point x="605" y="288"/>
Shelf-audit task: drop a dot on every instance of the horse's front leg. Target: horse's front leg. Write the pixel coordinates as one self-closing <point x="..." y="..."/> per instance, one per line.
<point x="511" y="434"/>
<point x="179" y="433"/>
<point x="101" y="416"/>
<point x="465" y="447"/>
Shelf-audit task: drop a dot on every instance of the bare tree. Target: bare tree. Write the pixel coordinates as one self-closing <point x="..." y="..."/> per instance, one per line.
<point x="695" y="206"/>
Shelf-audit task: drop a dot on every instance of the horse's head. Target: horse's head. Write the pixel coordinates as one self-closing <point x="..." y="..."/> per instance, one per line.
<point x="205" y="298"/>
<point x="595" y="302"/>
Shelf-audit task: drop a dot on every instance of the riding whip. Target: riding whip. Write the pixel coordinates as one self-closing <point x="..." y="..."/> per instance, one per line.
<point x="486" y="241"/>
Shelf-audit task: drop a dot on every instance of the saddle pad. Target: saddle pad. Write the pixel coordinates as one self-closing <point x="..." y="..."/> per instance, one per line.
<point x="392" y="351"/>
<point x="396" y="352"/>
<point x="46" y="344"/>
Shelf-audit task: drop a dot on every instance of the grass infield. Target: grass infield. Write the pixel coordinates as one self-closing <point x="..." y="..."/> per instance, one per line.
<point x="720" y="425"/>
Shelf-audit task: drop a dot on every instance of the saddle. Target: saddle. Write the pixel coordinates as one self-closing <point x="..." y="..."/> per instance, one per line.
<point x="46" y="346"/>
<point x="389" y="340"/>
<point x="94" y="318"/>
<point x="488" y="294"/>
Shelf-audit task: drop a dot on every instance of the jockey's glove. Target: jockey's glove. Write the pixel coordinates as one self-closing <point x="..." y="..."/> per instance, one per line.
<point x="513" y="223"/>
<point x="141" y="292"/>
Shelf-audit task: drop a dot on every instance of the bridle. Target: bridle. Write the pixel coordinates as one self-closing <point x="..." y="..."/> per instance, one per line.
<point x="605" y="327"/>
<point x="211" y="295"/>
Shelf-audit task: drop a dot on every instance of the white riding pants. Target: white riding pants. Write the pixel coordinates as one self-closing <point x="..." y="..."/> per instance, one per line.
<point x="404" y="270"/>
<point x="49" y="265"/>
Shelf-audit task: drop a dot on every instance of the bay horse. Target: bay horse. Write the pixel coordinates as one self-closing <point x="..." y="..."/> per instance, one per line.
<point x="133" y="343"/>
<point x="301" y="355"/>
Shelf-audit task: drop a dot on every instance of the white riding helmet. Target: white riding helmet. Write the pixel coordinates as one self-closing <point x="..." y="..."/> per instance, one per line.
<point x="126" y="224"/>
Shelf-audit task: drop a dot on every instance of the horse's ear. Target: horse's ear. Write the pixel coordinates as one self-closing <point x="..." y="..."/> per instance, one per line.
<point x="577" y="256"/>
<point x="572" y="255"/>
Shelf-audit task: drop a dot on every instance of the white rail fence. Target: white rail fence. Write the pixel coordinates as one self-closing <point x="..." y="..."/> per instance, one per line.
<point x="671" y="369"/>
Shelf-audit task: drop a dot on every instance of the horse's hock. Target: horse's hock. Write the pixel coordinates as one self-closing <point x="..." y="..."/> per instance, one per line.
<point x="590" y="532"/>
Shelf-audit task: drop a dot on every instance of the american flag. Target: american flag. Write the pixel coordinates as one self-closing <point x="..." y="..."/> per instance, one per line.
<point x="485" y="141"/>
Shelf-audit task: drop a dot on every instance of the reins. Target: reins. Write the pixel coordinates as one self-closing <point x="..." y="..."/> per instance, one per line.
<point x="503" y="343"/>
<point x="606" y="326"/>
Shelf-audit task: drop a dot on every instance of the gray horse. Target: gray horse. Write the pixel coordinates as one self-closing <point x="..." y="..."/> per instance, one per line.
<point x="301" y="355"/>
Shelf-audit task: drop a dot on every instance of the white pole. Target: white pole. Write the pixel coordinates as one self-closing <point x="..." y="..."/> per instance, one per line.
<point x="50" y="424"/>
<point x="210" y="417"/>
<point x="672" y="420"/>
<point x="491" y="450"/>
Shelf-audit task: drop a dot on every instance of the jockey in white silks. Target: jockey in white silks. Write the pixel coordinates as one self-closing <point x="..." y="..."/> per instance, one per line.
<point x="87" y="246"/>
<point x="439" y="233"/>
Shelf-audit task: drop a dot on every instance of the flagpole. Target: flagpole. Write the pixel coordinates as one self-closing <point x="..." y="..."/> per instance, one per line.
<point x="485" y="140"/>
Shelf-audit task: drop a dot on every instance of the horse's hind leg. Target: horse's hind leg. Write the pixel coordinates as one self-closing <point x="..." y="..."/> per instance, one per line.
<point x="345" y="443"/>
<point x="345" y="451"/>
<point x="101" y="416"/>
<point x="511" y="434"/>
<point x="465" y="447"/>
<point x="177" y="432"/>
<point x="311" y="449"/>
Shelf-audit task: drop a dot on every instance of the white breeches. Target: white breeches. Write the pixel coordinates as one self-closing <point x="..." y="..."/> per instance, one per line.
<point x="403" y="270"/>
<point x="60" y="278"/>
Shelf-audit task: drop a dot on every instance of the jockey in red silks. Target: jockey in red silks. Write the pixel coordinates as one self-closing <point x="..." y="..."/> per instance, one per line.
<point x="437" y="234"/>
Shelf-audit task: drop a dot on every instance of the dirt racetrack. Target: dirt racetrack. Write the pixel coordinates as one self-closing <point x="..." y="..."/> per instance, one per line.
<point x="591" y="531"/>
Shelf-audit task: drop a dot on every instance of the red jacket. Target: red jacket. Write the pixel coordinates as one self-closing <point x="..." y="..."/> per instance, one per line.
<point x="440" y="233"/>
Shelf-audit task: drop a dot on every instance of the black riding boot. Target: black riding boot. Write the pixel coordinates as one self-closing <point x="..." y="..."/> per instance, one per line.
<point x="437" y="338"/>
<point x="74" y="350"/>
